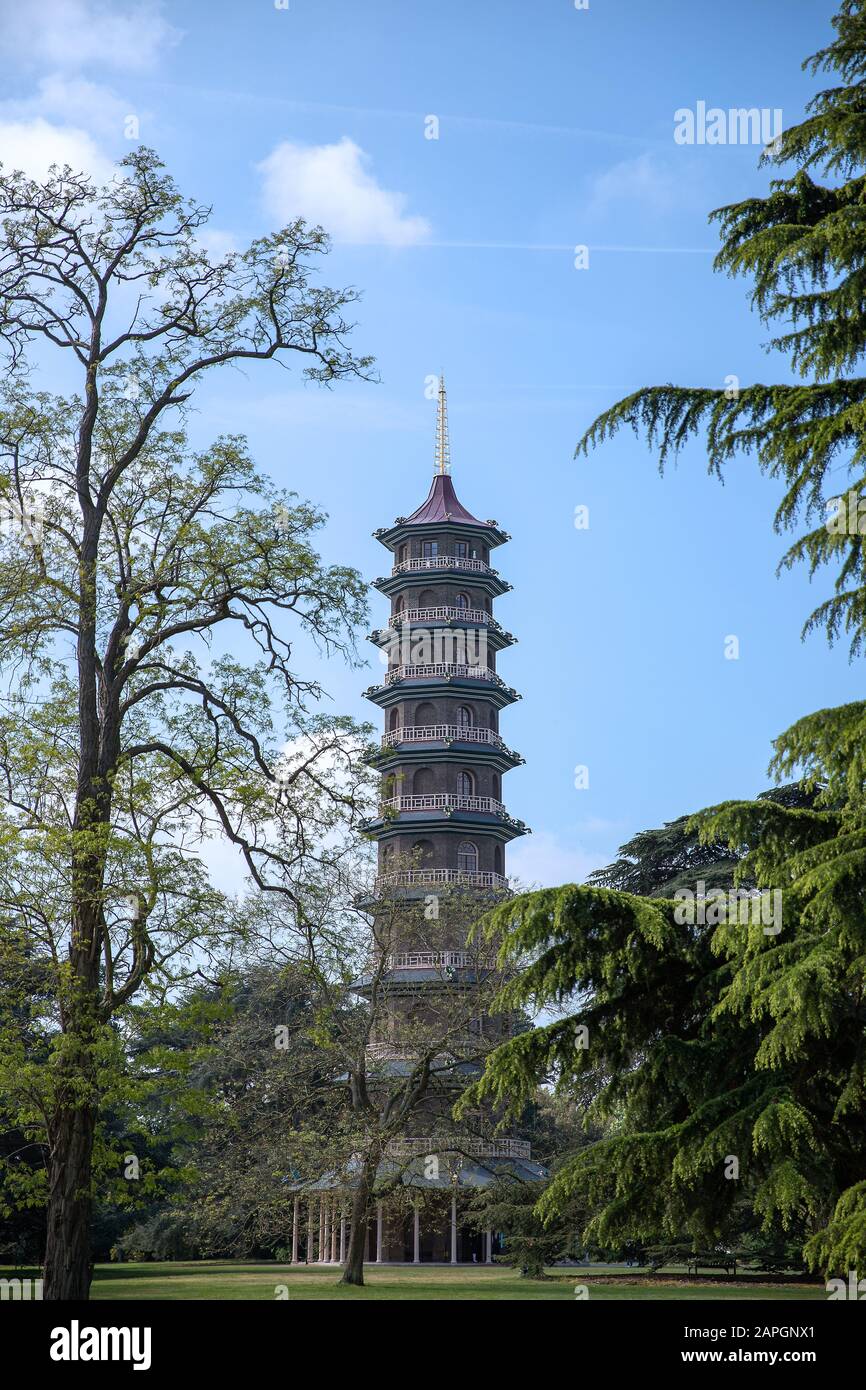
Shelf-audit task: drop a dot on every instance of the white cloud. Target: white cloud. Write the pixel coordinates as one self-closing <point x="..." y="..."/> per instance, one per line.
<point x="36" y="144"/>
<point x="217" y="242"/>
<point x="332" y="185"/>
<point x="74" y="33"/>
<point x="542" y="860"/>
<point x="76" y="102"/>
<point x="62" y="120"/>
<point x="645" y="181"/>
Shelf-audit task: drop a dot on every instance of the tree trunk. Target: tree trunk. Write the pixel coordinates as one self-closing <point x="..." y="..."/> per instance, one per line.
<point x="353" y="1272"/>
<point x="67" y="1251"/>
<point x="71" y="1134"/>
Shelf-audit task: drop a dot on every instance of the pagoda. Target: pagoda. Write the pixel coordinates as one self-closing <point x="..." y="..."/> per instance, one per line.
<point x="441" y="830"/>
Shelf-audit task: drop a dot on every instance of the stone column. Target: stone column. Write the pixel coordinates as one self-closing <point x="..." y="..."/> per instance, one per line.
<point x="454" y="1228"/>
<point x="334" y="1232"/>
<point x="322" y="1251"/>
<point x="378" y="1233"/>
<point x="488" y="1259"/>
<point x="417" y="1253"/>
<point x="310" y="1235"/>
<point x="296" y="1222"/>
<point x="343" y="1236"/>
<point x="327" y="1230"/>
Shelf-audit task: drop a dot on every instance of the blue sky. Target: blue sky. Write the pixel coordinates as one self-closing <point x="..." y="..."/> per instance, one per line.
<point x="555" y="128"/>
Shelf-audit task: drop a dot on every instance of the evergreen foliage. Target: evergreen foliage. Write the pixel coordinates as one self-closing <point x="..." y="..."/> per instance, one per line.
<point x="804" y="246"/>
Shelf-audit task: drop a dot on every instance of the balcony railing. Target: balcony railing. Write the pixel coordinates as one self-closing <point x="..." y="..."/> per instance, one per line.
<point x="445" y="801"/>
<point x="443" y="962"/>
<point x="448" y="670"/>
<point x="442" y="733"/>
<point x="442" y="562"/>
<point x="443" y="615"/>
<point x="429" y="960"/>
<point x="468" y="878"/>
<point x="457" y="1046"/>
<point x="457" y="1143"/>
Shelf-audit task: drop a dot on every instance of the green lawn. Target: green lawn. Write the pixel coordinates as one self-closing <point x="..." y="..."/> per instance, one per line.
<point x="230" y="1280"/>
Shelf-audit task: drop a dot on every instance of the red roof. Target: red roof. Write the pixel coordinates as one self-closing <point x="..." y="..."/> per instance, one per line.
<point x="442" y="505"/>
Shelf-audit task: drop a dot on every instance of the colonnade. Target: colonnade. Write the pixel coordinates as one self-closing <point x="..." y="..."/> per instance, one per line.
<point x="329" y="1228"/>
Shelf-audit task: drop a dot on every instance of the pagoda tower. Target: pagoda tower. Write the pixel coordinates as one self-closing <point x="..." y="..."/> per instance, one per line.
<point x="443" y="758"/>
<point x="442" y="832"/>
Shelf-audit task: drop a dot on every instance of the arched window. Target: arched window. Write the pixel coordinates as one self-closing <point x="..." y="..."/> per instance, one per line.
<point x="462" y="601"/>
<point x="401" y="604"/>
<point x="394" y="720"/>
<point x="465" y="783"/>
<point x="497" y="858"/>
<point x="496" y="788"/>
<point x="429" y="549"/>
<point x="425" y="713"/>
<point x="402" y="555"/>
<point x="465" y="717"/>
<point x="422" y="782"/>
<point x="467" y="857"/>
<point x="427" y="598"/>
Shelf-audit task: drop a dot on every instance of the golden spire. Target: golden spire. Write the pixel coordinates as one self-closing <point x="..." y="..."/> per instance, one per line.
<point x="442" y="463"/>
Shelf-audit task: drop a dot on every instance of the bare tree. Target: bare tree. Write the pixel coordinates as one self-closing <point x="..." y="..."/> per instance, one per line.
<point x="402" y="1056"/>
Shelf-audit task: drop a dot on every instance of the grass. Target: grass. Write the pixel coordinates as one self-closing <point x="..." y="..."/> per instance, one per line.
<point x="233" y="1281"/>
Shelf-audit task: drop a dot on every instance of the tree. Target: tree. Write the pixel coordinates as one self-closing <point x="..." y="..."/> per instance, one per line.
<point x="722" y="1058"/>
<point x="803" y="245"/>
<point x="267" y="1095"/>
<point x="806" y="989"/>
<point x="657" y="863"/>
<point x="509" y="1205"/>
<point x="394" y="1057"/>
<point x="145" y="595"/>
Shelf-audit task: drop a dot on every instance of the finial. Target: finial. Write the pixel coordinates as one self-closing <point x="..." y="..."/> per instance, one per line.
<point x="443" y="447"/>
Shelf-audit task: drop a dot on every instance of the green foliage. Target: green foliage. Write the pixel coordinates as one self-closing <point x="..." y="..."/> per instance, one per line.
<point x="694" y="1042"/>
<point x="778" y="1018"/>
<point x="657" y="863"/>
<point x="803" y="247"/>
<point x="151" y="596"/>
<point x="508" y="1206"/>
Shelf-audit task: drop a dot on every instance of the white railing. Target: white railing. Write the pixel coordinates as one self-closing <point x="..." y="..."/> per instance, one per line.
<point x="428" y="960"/>
<point x="440" y="801"/>
<point x="408" y="878"/>
<point x="442" y="733"/>
<point x="456" y="1143"/>
<point x="390" y="1052"/>
<point x="443" y="615"/>
<point x="442" y="562"/>
<point x="445" y="1047"/>
<point x="449" y="669"/>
